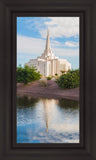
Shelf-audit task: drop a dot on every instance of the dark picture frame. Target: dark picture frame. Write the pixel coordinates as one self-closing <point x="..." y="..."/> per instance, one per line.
<point x="9" y="9"/>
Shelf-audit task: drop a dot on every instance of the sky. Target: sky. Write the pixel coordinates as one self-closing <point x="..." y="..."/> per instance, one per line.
<point x="64" y="38"/>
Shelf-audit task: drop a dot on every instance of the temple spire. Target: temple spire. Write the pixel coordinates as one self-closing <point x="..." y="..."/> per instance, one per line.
<point x="47" y="48"/>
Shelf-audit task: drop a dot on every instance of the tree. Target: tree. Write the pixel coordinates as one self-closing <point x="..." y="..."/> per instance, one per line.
<point x="69" y="80"/>
<point x="27" y="74"/>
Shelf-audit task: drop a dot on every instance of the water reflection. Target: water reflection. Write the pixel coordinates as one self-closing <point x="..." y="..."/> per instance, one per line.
<point x="65" y="103"/>
<point x="51" y="121"/>
<point x="26" y="102"/>
<point x="48" y="105"/>
<point x="46" y="112"/>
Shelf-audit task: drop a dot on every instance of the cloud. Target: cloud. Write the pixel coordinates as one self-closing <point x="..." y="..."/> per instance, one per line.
<point x="30" y="45"/>
<point x="61" y="26"/>
<point x="71" y="44"/>
<point x="65" y="52"/>
<point x="58" y="26"/>
<point x="36" y="46"/>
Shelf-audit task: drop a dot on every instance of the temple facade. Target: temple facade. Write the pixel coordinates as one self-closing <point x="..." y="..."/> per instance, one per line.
<point x="47" y="63"/>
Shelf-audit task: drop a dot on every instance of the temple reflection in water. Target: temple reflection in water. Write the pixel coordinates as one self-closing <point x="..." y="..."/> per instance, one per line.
<point x="48" y="105"/>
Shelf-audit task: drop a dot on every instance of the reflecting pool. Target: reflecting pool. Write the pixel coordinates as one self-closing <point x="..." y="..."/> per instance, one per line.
<point x="47" y="120"/>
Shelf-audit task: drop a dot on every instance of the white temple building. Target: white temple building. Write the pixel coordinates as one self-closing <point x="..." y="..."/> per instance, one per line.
<point x="47" y="63"/>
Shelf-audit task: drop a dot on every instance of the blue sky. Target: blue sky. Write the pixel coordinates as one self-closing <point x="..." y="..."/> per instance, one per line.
<point x="64" y="38"/>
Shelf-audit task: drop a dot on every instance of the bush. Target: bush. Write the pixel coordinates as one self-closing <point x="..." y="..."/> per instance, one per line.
<point x="43" y="83"/>
<point x="27" y="74"/>
<point x="49" y="78"/>
<point x="69" y="80"/>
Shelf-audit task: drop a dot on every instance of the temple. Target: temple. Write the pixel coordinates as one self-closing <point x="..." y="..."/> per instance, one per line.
<point x="47" y="63"/>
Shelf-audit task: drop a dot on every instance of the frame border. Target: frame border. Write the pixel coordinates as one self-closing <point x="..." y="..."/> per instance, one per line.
<point x="9" y="9"/>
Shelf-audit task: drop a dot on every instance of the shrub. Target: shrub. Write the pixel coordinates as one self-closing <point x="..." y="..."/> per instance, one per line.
<point x="69" y="80"/>
<point x="49" y="78"/>
<point x="56" y="74"/>
<point x="27" y="74"/>
<point x="43" y="82"/>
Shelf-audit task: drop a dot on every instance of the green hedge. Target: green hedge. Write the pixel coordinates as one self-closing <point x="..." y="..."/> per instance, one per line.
<point x="49" y="78"/>
<point x="27" y="74"/>
<point x="69" y="80"/>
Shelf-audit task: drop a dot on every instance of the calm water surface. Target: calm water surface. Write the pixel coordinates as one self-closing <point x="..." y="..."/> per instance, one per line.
<point x="47" y="120"/>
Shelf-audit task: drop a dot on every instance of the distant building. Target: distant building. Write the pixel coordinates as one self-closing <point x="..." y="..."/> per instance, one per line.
<point x="47" y="63"/>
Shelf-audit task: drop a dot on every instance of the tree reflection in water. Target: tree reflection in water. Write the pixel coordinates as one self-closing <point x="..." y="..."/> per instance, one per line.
<point x="26" y="101"/>
<point x="68" y="104"/>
